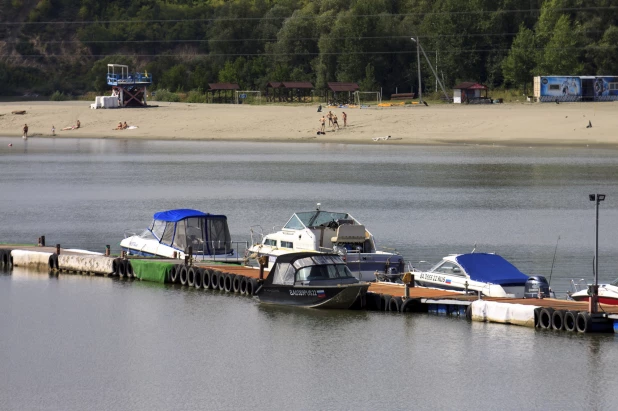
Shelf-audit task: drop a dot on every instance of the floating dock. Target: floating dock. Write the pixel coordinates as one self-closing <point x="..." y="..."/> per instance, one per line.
<point x="548" y="313"/>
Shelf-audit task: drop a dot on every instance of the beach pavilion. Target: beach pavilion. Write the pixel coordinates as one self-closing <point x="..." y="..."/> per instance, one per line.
<point x="289" y="91"/>
<point x="221" y="92"/>
<point x="469" y="92"/>
<point x="341" y="93"/>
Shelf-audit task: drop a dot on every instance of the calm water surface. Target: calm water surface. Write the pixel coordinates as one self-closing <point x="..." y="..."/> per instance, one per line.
<point x="74" y="343"/>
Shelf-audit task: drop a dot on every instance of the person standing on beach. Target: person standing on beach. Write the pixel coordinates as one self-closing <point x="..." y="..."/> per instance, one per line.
<point x="25" y="135"/>
<point x="330" y="118"/>
<point x="335" y="123"/>
<point x="323" y="124"/>
<point x="345" y="118"/>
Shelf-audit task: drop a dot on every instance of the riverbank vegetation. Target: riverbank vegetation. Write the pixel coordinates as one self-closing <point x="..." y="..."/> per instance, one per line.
<point x="65" y="45"/>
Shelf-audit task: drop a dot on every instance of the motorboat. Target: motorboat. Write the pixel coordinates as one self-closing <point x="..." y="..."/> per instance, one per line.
<point x="489" y="274"/>
<point x="309" y="279"/>
<point x="608" y="293"/>
<point x="173" y="232"/>
<point x="330" y="232"/>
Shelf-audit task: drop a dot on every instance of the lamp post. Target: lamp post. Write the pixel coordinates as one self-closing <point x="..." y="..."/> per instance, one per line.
<point x="594" y="292"/>
<point x="418" y="63"/>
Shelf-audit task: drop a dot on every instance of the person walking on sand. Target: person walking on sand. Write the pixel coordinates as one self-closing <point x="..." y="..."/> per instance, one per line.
<point x="323" y="124"/>
<point x="335" y="123"/>
<point x="345" y="118"/>
<point x="53" y="130"/>
<point x="330" y="118"/>
<point x="25" y="135"/>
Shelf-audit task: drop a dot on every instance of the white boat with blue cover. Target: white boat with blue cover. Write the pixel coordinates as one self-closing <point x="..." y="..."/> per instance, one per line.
<point x="172" y="232"/>
<point x="329" y="232"/>
<point x="489" y="274"/>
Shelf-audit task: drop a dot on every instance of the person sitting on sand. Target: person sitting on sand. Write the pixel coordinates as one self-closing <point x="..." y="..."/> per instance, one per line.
<point x="53" y="130"/>
<point x="78" y="124"/>
<point x="125" y="126"/>
<point x="119" y="126"/>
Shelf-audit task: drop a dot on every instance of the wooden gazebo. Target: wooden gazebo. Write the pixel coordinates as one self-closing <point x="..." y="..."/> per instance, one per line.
<point x="289" y="91"/>
<point x="340" y="93"/>
<point x="221" y="92"/>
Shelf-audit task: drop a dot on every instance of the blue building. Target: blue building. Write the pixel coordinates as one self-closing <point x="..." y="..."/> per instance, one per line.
<point x="130" y="88"/>
<point x="575" y="88"/>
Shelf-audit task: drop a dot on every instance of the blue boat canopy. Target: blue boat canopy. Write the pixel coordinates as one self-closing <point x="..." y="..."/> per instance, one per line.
<point x="180" y="214"/>
<point x="490" y="268"/>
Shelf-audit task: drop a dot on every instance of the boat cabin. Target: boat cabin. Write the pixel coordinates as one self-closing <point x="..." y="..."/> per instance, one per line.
<point x="309" y="269"/>
<point x="205" y="233"/>
<point x="322" y="230"/>
<point x="481" y="267"/>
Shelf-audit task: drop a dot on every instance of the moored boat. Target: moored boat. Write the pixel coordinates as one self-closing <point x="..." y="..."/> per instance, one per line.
<point x="311" y="280"/>
<point x="608" y="293"/>
<point x="329" y="232"/>
<point x="489" y="274"/>
<point x="173" y="232"/>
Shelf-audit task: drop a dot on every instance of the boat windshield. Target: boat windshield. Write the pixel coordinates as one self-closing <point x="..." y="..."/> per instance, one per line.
<point x="614" y="283"/>
<point x="314" y="219"/>
<point x="313" y="268"/>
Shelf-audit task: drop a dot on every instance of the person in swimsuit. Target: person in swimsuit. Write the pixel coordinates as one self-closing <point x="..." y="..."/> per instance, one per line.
<point x="323" y="124"/>
<point x="53" y="130"/>
<point x="125" y="126"/>
<point x="335" y="123"/>
<point x="25" y="135"/>
<point x="345" y="118"/>
<point x="78" y="125"/>
<point x="330" y="118"/>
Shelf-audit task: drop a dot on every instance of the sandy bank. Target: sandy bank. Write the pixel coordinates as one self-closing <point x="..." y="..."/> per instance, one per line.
<point x="507" y="124"/>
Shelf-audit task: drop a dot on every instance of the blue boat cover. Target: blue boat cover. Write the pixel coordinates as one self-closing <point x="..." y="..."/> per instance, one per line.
<point x="490" y="268"/>
<point x="179" y="214"/>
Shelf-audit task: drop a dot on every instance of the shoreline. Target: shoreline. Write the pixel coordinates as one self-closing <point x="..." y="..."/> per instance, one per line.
<point x="510" y="125"/>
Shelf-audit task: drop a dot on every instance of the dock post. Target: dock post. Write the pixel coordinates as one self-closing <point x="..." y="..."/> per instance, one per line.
<point x="263" y="261"/>
<point x="107" y="250"/>
<point x="188" y="255"/>
<point x="58" y="249"/>
<point x="123" y="254"/>
<point x="408" y="280"/>
<point x="593" y="301"/>
<point x="42" y="241"/>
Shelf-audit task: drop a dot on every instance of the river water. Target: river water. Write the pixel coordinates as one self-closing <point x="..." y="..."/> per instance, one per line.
<point x="74" y="343"/>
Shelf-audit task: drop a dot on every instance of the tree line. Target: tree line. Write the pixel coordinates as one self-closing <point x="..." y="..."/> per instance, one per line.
<point x="65" y="45"/>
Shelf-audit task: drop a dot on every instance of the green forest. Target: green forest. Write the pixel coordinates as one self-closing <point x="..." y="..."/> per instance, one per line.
<point x="65" y="45"/>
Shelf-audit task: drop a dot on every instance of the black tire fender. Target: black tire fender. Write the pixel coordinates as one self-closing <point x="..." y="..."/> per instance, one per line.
<point x="557" y="320"/>
<point x="570" y="321"/>
<point x="385" y="300"/>
<point x="228" y="285"/>
<point x="122" y="268"/>
<point x="174" y="273"/>
<point x="243" y="286"/>
<point x="221" y="281"/>
<point x="183" y="274"/>
<point x="583" y="322"/>
<point x="206" y="279"/>
<point x="129" y="268"/>
<point x="191" y="276"/>
<point x="394" y="304"/>
<point x="236" y="283"/>
<point x="545" y="318"/>
<point x="198" y="277"/>
<point x="373" y="301"/>
<point x="214" y="279"/>
<point x="53" y="262"/>
<point x="116" y="266"/>
<point x="252" y="286"/>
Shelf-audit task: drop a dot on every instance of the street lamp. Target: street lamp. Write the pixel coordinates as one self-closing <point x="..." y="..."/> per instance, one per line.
<point x="418" y="63"/>
<point x="594" y="294"/>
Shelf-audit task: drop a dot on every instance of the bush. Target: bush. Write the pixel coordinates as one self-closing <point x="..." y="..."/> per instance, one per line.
<point x="58" y="96"/>
<point x="196" y="97"/>
<point x="165" y="95"/>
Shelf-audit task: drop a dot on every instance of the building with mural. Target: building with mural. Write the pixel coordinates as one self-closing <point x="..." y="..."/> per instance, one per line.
<point x="575" y="88"/>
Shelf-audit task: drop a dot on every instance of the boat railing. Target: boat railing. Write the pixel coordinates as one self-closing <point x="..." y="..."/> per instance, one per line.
<point x="580" y="285"/>
<point x="233" y="251"/>
<point x="259" y="234"/>
<point x="129" y="233"/>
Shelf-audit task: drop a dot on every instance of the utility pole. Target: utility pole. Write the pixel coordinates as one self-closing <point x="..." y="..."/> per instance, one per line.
<point x="594" y="292"/>
<point x="418" y="63"/>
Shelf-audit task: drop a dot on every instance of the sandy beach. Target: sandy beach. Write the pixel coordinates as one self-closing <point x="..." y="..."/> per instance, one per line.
<point x="501" y="124"/>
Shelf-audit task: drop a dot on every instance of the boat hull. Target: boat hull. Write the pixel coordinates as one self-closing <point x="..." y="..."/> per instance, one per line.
<point x="602" y="300"/>
<point x="332" y="297"/>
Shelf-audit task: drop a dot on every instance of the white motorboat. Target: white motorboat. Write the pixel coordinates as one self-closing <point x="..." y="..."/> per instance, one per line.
<point x="172" y="232"/>
<point x="489" y="274"/>
<point x="329" y="232"/>
<point x="608" y="293"/>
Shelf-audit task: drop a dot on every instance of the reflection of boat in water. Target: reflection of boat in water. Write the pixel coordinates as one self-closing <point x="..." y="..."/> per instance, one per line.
<point x="608" y="293"/>
<point x="489" y="274"/>
<point x="172" y="232"/>
<point x="331" y="232"/>
<point x="311" y="280"/>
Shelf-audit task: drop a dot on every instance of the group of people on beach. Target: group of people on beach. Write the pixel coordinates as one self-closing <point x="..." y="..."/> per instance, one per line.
<point x="122" y="126"/>
<point x="333" y="121"/>
<point x="53" y="129"/>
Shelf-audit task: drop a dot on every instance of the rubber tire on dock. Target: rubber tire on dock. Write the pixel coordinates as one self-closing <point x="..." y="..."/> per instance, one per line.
<point x="191" y="277"/>
<point x="174" y="273"/>
<point x="252" y="286"/>
<point x="198" y="277"/>
<point x="206" y="279"/>
<point x="570" y="321"/>
<point x="116" y="266"/>
<point x="5" y="258"/>
<point x="52" y="262"/>
<point x="557" y="320"/>
<point x="236" y="283"/>
<point x="214" y="279"/>
<point x="537" y="316"/>
<point x="243" y="286"/>
<point x="373" y="302"/>
<point x="409" y="305"/>
<point x="545" y="318"/>
<point x="182" y="276"/>
<point x="394" y="304"/>
<point x="122" y="268"/>
<point x="129" y="268"/>
<point x="221" y="281"/>
<point x="229" y="283"/>
<point x="385" y="300"/>
<point x="583" y="322"/>
<point x="469" y="312"/>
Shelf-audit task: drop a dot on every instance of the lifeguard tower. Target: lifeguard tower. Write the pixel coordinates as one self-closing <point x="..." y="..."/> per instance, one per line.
<point x="130" y="88"/>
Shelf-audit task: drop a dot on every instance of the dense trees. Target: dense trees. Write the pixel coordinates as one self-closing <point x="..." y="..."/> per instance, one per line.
<point x="185" y="44"/>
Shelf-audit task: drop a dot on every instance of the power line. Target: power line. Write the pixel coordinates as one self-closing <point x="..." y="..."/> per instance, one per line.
<point x="336" y="16"/>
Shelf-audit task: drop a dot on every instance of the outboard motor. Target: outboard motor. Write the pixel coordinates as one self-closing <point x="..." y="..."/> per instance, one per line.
<point x="533" y="285"/>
